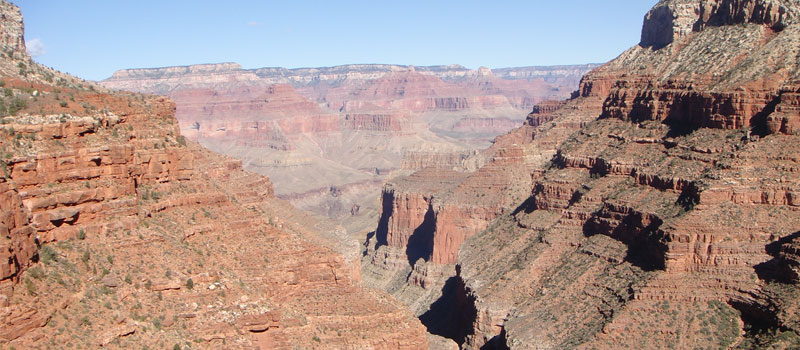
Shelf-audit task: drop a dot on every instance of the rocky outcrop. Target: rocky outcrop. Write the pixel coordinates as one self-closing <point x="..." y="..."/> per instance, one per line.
<point x="164" y="80"/>
<point x="672" y="20"/>
<point x="786" y="117"/>
<point x="456" y="205"/>
<point x="543" y="112"/>
<point x="448" y="160"/>
<point x="374" y="122"/>
<point x="19" y="247"/>
<point x="426" y="216"/>
<point x="663" y="213"/>
<point x="677" y="105"/>
<point x="735" y="87"/>
<point x="13" y="41"/>
<point x="407" y="210"/>
<point x="117" y="232"/>
<point x="56" y="212"/>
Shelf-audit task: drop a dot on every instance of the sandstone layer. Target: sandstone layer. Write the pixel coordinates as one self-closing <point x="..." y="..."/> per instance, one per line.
<point x="117" y="232"/>
<point x="660" y="203"/>
<point x="344" y="130"/>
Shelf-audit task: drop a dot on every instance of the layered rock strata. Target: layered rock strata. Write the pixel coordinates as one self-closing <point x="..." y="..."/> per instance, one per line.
<point x="116" y="232"/>
<point x="354" y="123"/>
<point x="666" y="216"/>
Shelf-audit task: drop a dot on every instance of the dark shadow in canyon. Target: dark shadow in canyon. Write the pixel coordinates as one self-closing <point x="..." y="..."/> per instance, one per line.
<point x="687" y="114"/>
<point x="497" y="342"/>
<point x="678" y="128"/>
<point x="383" y="223"/>
<point x="757" y="318"/>
<point x="759" y="121"/>
<point x="370" y="234"/>
<point x="776" y="269"/>
<point x="420" y="243"/>
<point x="761" y="315"/>
<point x="528" y="206"/>
<point x="452" y="315"/>
<point x="639" y="232"/>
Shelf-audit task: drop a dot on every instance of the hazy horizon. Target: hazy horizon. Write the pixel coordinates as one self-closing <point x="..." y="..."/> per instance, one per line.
<point x="97" y="39"/>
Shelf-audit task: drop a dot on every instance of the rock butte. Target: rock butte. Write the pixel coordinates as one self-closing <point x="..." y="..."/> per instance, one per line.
<point x="116" y="232"/>
<point x="656" y="208"/>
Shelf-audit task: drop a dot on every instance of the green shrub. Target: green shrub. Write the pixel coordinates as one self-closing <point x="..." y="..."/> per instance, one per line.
<point x="36" y="272"/>
<point x="47" y="255"/>
<point x="189" y="284"/>
<point x="30" y="287"/>
<point x="17" y="104"/>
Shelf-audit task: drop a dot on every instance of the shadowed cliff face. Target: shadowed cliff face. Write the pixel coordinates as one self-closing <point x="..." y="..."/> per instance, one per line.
<point x="117" y="232"/>
<point x="659" y="204"/>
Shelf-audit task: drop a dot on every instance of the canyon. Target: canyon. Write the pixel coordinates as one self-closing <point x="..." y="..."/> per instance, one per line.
<point x="655" y="208"/>
<point x="117" y="232"/>
<point x="658" y="206"/>
<point x="330" y="137"/>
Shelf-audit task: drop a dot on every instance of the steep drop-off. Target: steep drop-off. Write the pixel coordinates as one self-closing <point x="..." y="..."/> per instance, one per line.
<point x="116" y="232"/>
<point x="662" y="211"/>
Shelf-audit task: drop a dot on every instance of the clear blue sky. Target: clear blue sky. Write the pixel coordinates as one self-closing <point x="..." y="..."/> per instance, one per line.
<point x="93" y="38"/>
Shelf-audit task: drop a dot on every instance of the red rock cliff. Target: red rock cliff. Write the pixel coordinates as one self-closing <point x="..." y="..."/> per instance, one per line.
<point x="122" y="234"/>
<point x="668" y="198"/>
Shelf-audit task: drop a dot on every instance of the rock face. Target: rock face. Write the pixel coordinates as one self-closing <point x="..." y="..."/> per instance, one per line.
<point x="13" y="40"/>
<point x="117" y="232"/>
<point x="347" y="127"/>
<point x="672" y="20"/>
<point x="658" y="206"/>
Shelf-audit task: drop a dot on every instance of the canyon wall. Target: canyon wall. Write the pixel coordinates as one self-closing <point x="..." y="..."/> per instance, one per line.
<point x="661" y="210"/>
<point x="313" y="129"/>
<point x="117" y="232"/>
